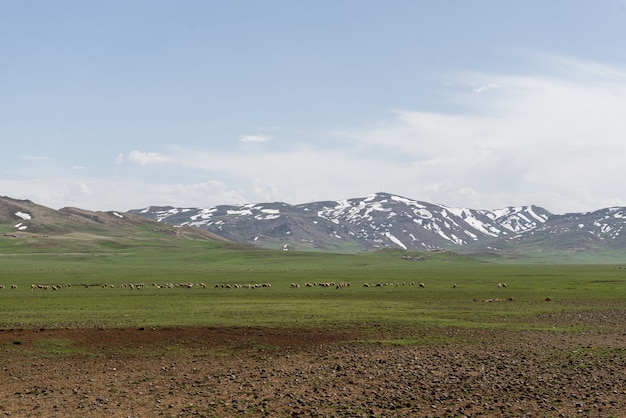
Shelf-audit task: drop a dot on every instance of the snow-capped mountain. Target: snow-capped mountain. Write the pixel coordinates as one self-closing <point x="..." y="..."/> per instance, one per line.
<point x="601" y="231"/>
<point x="377" y="221"/>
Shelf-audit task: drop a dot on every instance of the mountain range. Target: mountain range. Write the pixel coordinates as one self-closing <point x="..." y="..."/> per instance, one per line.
<point x="370" y="223"/>
<point x="384" y="220"/>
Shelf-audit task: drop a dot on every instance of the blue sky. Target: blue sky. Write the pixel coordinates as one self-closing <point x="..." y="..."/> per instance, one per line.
<point x="119" y="105"/>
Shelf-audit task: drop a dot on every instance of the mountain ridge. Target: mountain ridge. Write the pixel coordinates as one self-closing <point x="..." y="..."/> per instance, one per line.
<point x="380" y="220"/>
<point x="384" y="220"/>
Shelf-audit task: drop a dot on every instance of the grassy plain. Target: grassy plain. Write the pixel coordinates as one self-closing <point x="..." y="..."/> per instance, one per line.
<point x="476" y="302"/>
<point x="97" y="346"/>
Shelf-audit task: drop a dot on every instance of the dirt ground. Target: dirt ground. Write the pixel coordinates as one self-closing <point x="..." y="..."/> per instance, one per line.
<point x="257" y="372"/>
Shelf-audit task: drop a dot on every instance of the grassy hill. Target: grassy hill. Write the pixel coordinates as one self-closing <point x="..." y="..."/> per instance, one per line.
<point x="26" y="227"/>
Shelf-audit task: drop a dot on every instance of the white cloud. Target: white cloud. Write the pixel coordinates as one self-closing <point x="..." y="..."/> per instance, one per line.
<point x="549" y="140"/>
<point x="552" y="139"/>
<point x="121" y="195"/>
<point x="485" y="87"/>
<point x="34" y="158"/>
<point x="145" y="158"/>
<point x="255" y="138"/>
<point x="546" y="140"/>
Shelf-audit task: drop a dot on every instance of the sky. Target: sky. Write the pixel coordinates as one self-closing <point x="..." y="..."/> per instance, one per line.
<point x="483" y="104"/>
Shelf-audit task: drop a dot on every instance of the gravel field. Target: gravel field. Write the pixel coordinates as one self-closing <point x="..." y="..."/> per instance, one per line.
<point x="250" y="372"/>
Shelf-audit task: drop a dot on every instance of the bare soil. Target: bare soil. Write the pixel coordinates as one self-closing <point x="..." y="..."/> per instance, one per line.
<point x="257" y="372"/>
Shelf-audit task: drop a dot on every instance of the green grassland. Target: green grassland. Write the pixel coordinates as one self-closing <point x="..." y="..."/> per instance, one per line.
<point x="93" y="274"/>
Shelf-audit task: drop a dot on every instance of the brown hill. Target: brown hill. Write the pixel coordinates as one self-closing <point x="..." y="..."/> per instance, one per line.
<point x="23" y="218"/>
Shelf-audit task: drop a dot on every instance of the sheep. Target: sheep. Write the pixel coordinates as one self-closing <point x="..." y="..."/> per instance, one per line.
<point x="13" y="286"/>
<point x="454" y="285"/>
<point x="422" y="285"/>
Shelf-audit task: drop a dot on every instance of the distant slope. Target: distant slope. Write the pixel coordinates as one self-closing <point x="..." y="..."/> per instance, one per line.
<point x="599" y="235"/>
<point x="24" y="223"/>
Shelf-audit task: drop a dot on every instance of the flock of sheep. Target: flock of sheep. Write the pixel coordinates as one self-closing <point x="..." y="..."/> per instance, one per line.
<point x="241" y="286"/>
<point x="137" y="286"/>
<point x="141" y="285"/>
<point x="391" y="284"/>
<point x="323" y="284"/>
<point x="190" y="285"/>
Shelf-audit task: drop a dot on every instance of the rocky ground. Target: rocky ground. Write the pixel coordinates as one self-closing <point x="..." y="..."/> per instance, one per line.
<point x="256" y="372"/>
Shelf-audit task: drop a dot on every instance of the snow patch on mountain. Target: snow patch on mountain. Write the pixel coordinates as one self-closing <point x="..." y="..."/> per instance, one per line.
<point x="25" y="216"/>
<point x="474" y="222"/>
<point x="395" y="240"/>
